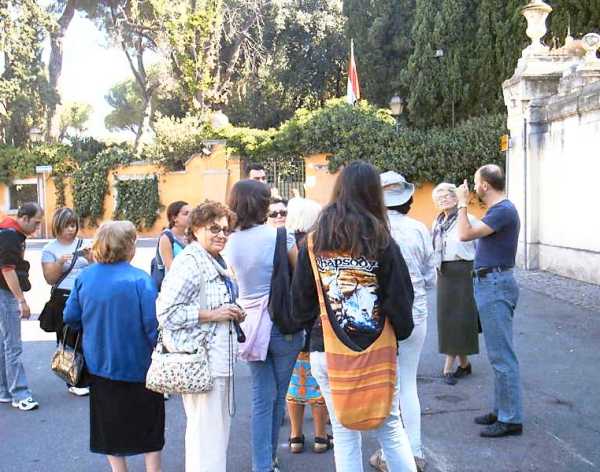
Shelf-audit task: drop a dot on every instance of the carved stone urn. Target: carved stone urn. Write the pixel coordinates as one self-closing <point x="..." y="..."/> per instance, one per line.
<point x="536" y="13"/>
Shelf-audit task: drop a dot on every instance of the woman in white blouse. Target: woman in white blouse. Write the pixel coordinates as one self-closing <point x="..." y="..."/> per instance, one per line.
<point x="457" y="317"/>
<point x="196" y="301"/>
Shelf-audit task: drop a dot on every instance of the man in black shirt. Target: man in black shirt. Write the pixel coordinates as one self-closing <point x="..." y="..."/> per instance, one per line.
<point x="13" y="306"/>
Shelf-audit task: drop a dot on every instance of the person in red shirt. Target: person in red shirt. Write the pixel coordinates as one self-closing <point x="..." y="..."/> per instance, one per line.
<point x="13" y="306"/>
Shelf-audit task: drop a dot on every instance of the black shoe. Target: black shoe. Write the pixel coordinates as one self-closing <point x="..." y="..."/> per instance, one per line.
<point x="462" y="371"/>
<point x="487" y="419"/>
<point x="499" y="429"/>
<point x="449" y="379"/>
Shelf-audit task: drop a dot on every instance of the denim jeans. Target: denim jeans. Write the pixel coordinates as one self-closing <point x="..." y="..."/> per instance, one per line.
<point x="13" y="383"/>
<point x="270" y="380"/>
<point x="496" y="296"/>
<point x="348" y="443"/>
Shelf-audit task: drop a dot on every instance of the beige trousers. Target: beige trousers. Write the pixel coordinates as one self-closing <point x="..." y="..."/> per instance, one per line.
<point x="207" y="431"/>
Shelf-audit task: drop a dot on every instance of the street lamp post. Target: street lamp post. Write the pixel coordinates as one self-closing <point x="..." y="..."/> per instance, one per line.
<point x="396" y="106"/>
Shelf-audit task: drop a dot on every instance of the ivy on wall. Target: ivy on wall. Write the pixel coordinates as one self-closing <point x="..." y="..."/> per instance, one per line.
<point x="138" y="201"/>
<point x="90" y="183"/>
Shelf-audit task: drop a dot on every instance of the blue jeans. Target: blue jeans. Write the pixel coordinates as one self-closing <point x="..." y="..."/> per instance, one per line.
<point x="13" y="383"/>
<point x="496" y="296"/>
<point x="270" y="380"/>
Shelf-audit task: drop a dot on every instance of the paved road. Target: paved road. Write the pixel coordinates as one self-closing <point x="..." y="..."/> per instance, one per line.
<point x="557" y="344"/>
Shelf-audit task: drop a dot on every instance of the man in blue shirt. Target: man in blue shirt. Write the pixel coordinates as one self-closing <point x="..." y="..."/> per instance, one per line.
<point x="496" y="294"/>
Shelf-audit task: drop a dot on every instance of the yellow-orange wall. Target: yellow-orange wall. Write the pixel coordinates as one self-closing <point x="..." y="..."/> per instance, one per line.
<point x="320" y="182"/>
<point x="205" y="177"/>
<point x="211" y="177"/>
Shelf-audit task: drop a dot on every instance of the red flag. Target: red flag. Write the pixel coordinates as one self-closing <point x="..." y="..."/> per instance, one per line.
<point x="353" y="90"/>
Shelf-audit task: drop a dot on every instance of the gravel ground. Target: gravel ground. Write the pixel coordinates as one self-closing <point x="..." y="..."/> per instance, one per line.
<point x="561" y="288"/>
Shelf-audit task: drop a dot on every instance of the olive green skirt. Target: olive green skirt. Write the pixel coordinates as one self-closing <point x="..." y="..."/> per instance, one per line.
<point x="457" y="317"/>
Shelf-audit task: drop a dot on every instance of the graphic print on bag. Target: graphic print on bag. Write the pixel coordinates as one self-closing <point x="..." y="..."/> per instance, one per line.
<point x="350" y="285"/>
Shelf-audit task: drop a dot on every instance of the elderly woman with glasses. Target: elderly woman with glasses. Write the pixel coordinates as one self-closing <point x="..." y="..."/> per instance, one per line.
<point x="113" y="303"/>
<point x="197" y="302"/>
<point x="457" y="317"/>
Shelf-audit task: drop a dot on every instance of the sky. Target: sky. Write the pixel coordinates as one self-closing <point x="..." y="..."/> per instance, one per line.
<point x="89" y="70"/>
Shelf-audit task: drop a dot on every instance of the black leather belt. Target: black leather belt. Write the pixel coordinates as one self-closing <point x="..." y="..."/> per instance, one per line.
<point x="483" y="272"/>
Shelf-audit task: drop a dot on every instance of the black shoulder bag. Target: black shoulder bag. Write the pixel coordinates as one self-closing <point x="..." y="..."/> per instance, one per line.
<point x="157" y="266"/>
<point x="280" y="299"/>
<point x="51" y="318"/>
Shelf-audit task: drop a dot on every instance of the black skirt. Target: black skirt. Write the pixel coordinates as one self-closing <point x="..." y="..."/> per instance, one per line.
<point x="457" y="317"/>
<point x="125" y="418"/>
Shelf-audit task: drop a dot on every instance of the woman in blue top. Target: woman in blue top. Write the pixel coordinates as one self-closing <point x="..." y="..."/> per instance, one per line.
<point x="173" y="240"/>
<point x="114" y="303"/>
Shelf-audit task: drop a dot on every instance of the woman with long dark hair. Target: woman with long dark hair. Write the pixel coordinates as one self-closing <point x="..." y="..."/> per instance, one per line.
<point x="270" y="354"/>
<point x="366" y="287"/>
<point x="173" y="239"/>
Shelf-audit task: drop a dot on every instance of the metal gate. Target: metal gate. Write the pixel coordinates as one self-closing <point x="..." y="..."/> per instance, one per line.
<point x="287" y="177"/>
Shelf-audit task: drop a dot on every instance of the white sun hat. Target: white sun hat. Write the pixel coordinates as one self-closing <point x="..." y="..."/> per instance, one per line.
<point x="396" y="190"/>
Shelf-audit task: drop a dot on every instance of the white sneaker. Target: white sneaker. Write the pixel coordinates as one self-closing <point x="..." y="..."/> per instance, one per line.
<point x="5" y="400"/>
<point x="79" y="391"/>
<point x="26" y="404"/>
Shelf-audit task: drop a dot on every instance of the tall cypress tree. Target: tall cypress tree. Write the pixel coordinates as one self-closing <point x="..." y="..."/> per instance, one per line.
<point x="423" y="70"/>
<point x="456" y="28"/>
<point x="382" y="42"/>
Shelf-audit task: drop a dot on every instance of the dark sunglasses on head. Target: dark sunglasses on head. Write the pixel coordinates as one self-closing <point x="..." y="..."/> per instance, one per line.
<point x="274" y="214"/>
<point x="216" y="229"/>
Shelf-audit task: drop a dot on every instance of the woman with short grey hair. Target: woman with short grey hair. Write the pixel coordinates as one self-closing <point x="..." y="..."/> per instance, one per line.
<point x="457" y="317"/>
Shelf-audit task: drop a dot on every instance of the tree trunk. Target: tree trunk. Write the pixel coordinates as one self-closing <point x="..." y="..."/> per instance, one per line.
<point x="144" y="128"/>
<point x="55" y="67"/>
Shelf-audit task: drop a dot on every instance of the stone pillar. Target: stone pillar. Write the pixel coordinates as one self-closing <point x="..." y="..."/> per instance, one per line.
<point x="536" y="78"/>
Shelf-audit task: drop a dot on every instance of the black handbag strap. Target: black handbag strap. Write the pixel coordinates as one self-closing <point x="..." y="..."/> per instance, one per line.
<point x="66" y="273"/>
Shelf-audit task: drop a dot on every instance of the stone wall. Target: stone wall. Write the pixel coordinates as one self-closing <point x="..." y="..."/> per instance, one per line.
<point x="553" y="164"/>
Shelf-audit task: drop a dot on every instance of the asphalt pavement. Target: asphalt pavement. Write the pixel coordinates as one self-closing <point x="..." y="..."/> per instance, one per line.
<point x="558" y="346"/>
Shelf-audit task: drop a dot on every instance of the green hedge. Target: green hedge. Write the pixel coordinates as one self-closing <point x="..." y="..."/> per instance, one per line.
<point x="365" y="132"/>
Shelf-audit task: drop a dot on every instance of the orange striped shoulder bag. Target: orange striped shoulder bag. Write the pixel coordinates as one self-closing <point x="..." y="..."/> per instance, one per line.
<point x="362" y="382"/>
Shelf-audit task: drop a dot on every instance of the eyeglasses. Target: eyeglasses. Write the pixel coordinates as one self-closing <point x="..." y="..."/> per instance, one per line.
<point x="216" y="229"/>
<point x="260" y="178"/>
<point x="281" y="213"/>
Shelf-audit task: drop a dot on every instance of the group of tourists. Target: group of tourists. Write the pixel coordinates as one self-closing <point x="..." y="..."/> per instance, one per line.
<point x="356" y="274"/>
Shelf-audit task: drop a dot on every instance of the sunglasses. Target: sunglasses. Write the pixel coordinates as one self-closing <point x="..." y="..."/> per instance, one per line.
<point x="216" y="229"/>
<point x="280" y="213"/>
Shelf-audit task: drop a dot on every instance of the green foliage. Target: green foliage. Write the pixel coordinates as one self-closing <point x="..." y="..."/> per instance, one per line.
<point x="383" y="43"/>
<point x="305" y="56"/>
<point x="84" y="149"/>
<point x="177" y="139"/>
<point x="365" y="132"/>
<point x="24" y="90"/>
<point x="582" y="16"/>
<point x="138" y="201"/>
<point x="73" y="115"/>
<point x="90" y="183"/>
<point x="126" y="99"/>
<point x="17" y="163"/>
